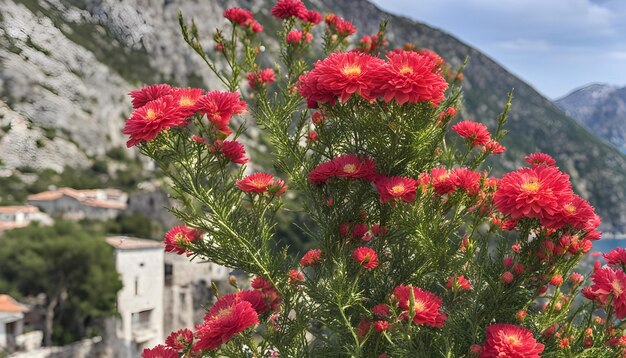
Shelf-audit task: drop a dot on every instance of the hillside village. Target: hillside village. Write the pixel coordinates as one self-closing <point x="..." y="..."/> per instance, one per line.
<point x="162" y="291"/>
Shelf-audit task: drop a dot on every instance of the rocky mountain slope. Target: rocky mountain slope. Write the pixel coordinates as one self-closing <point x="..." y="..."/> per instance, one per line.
<point x="66" y="66"/>
<point x="602" y="109"/>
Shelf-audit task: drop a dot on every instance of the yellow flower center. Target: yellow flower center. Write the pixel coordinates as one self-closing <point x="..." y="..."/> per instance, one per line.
<point x="531" y="186"/>
<point x="352" y="70"/>
<point x="513" y="340"/>
<point x="570" y="209"/>
<point x="186" y="102"/>
<point x="179" y="238"/>
<point x="349" y="168"/>
<point x="419" y="306"/>
<point x="398" y="189"/>
<point x="406" y="70"/>
<point x="617" y="287"/>
<point x="150" y="115"/>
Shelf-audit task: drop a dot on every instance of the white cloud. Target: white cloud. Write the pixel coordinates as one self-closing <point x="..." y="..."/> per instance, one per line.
<point x="521" y="44"/>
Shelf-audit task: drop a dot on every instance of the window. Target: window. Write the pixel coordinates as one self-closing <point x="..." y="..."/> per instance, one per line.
<point x="136" y="286"/>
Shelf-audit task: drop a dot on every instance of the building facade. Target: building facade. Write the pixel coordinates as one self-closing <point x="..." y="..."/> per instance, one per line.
<point x="140" y="301"/>
<point x="97" y="204"/>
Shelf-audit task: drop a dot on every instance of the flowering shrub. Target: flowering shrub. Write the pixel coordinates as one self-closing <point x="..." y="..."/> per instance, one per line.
<point x="418" y="252"/>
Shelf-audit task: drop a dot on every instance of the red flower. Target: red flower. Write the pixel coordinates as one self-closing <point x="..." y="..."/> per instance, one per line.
<point x="256" y="183"/>
<point x="366" y="257"/>
<point x="186" y="98"/>
<point x="262" y="78"/>
<point x="381" y="310"/>
<point x="180" y="339"/>
<point x="239" y="16"/>
<point x="234" y="151"/>
<point x="256" y="299"/>
<point x="537" y="159"/>
<point x="284" y="9"/>
<point x="159" y="351"/>
<point x="268" y="291"/>
<point x="507" y="277"/>
<point x="494" y="147"/>
<point x="577" y="213"/>
<point x="178" y="238"/>
<point x="556" y="280"/>
<point x="311" y="258"/>
<point x="339" y="76"/>
<point x="381" y="326"/>
<point x="322" y="173"/>
<point x="295" y="277"/>
<point x="256" y="27"/>
<point x="338" y="24"/>
<point x="507" y="340"/>
<point x="149" y="93"/>
<point x="533" y="192"/>
<point x="294" y="37"/>
<point x="610" y="283"/>
<point x="317" y="118"/>
<point x="396" y="188"/>
<point x="466" y="179"/>
<point x="312" y="17"/>
<point x="442" y="181"/>
<point x="458" y="283"/>
<point x="410" y="77"/>
<point x="616" y="257"/>
<point x="219" y="107"/>
<point x="427" y="306"/>
<point x="312" y="136"/>
<point x="147" y="122"/>
<point x="355" y="167"/>
<point x="576" y="278"/>
<point x="476" y="133"/>
<point x="521" y="315"/>
<point x="227" y="317"/>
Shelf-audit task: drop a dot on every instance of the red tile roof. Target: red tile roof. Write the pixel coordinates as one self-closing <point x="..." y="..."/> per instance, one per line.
<point x="8" y="304"/>
<point x="87" y="197"/>
<point x="18" y="209"/>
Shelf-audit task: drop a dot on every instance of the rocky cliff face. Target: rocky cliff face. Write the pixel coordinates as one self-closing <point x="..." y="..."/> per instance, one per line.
<point x="66" y="66"/>
<point x="600" y="108"/>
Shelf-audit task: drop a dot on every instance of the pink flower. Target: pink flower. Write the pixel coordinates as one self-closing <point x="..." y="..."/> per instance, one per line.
<point x="393" y="188"/>
<point x="149" y="93"/>
<point x="366" y="257"/>
<point x="537" y="159"/>
<point x="159" y="351"/>
<point x="507" y="340"/>
<point x="146" y="122"/>
<point x="180" y="339"/>
<point x="294" y="37"/>
<point x="476" y="133"/>
<point x="232" y="150"/>
<point x="178" y="238"/>
<point x="312" y="257"/>
<point x="427" y="306"/>
<point x="410" y="77"/>
<point x="295" y="277"/>
<point x="533" y="192"/>
<point x="284" y="9"/>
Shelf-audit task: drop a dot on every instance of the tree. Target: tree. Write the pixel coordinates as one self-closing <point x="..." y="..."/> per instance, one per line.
<point x="73" y="268"/>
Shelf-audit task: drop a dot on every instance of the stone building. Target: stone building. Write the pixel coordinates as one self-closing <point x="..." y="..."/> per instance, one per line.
<point x="98" y="204"/>
<point x="13" y="217"/>
<point x="11" y="322"/>
<point x="140" y="301"/>
<point x="187" y="290"/>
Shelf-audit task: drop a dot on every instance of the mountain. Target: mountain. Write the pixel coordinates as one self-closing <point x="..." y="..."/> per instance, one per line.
<point x="602" y="109"/>
<point x="66" y="66"/>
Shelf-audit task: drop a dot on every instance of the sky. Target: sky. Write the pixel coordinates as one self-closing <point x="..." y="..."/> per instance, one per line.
<point x="555" y="45"/>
